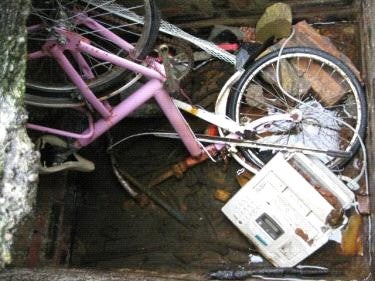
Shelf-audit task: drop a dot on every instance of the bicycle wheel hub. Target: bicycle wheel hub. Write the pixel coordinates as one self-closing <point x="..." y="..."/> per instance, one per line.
<point x="296" y="115"/>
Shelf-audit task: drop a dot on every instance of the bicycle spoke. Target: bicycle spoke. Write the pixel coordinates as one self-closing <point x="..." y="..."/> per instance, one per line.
<point x="60" y="13"/>
<point x="280" y="96"/>
<point x="268" y="91"/>
<point x="119" y="27"/>
<point x="326" y="120"/>
<point x="92" y="9"/>
<point x="48" y="17"/>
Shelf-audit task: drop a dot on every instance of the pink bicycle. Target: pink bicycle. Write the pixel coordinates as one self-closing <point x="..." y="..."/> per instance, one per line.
<point x="83" y="53"/>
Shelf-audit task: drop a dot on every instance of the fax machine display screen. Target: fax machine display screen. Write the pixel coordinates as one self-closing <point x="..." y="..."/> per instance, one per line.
<point x="269" y="226"/>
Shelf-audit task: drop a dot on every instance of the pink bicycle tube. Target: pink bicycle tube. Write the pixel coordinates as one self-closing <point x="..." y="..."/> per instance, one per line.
<point x="153" y="88"/>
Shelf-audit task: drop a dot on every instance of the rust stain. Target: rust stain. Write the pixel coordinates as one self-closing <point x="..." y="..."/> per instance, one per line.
<point x="180" y="168"/>
<point x="303" y="235"/>
<point x="334" y="217"/>
<point x="194" y="110"/>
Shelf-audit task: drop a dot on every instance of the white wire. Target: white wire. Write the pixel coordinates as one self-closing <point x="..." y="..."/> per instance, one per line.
<point x="364" y="167"/>
<point x="156" y="134"/>
<point x="206" y="151"/>
<point x="130" y="137"/>
<point x="363" y="171"/>
<point x="369" y="277"/>
<point x="369" y="240"/>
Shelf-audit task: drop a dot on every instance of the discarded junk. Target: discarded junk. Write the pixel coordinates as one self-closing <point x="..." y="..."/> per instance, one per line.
<point x="290" y="208"/>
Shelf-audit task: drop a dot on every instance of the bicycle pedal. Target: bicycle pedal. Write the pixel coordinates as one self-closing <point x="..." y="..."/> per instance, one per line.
<point x="52" y="148"/>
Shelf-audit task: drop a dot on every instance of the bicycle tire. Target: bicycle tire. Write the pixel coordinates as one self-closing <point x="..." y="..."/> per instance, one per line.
<point x="257" y="95"/>
<point x="42" y="89"/>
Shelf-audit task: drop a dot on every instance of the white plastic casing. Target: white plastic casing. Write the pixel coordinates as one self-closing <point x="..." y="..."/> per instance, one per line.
<point x="282" y="213"/>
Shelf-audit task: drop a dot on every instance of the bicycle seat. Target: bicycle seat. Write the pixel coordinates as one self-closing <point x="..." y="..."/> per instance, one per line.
<point x="56" y="156"/>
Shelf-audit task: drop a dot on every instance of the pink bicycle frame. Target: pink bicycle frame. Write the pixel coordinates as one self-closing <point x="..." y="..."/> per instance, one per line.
<point x="77" y="45"/>
<point x="110" y="116"/>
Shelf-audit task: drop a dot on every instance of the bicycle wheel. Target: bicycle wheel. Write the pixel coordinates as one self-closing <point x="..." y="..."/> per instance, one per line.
<point x="47" y="84"/>
<point x="319" y="86"/>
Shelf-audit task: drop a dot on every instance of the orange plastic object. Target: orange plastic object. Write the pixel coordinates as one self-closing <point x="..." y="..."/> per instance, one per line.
<point x="244" y="177"/>
<point x="351" y="244"/>
<point x="212" y="130"/>
<point x="222" y="195"/>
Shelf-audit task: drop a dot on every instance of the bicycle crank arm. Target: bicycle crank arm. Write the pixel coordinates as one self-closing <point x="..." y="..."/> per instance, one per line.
<point x="253" y="144"/>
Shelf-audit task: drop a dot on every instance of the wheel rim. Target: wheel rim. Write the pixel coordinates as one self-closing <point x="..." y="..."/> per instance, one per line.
<point x="259" y="97"/>
<point x="44" y="77"/>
